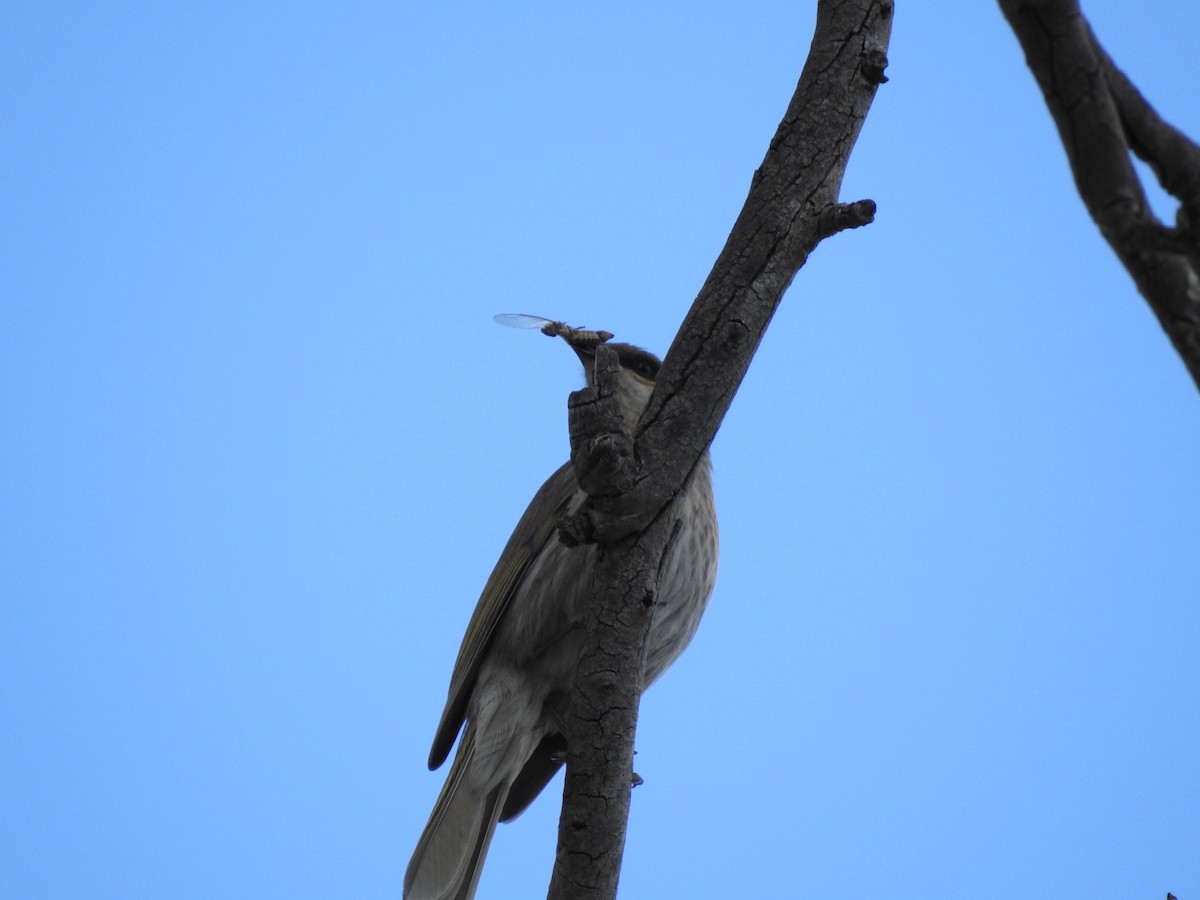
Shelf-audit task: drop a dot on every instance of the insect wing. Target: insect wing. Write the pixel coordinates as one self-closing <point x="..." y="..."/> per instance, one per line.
<point x="520" y="320"/>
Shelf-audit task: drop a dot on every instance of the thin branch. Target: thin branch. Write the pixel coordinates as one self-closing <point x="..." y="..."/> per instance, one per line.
<point x="1101" y="117"/>
<point x="1171" y="154"/>
<point x="792" y="204"/>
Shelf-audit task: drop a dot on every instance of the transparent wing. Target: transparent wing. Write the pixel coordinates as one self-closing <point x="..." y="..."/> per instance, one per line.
<point x="521" y="320"/>
<point x="554" y="329"/>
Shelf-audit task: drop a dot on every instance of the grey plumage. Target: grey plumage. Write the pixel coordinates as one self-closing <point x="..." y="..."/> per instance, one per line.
<point x="515" y="667"/>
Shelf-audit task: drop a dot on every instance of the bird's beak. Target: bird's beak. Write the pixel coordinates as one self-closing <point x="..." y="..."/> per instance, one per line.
<point x="581" y="340"/>
<point x="584" y="343"/>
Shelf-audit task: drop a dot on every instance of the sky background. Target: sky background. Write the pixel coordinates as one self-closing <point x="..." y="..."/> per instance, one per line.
<point x="262" y="444"/>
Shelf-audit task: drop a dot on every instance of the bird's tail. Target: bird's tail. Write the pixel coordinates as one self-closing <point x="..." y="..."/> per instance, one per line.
<point x="450" y="853"/>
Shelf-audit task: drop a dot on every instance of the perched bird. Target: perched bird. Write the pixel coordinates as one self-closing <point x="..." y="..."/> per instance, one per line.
<point x="513" y="676"/>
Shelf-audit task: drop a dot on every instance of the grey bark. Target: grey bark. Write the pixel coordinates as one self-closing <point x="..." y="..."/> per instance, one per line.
<point x="633" y="470"/>
<point x="1101" y="117"/>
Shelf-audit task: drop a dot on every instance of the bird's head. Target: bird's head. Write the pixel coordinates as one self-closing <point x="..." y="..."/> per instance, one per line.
<point x="639" y="369"/>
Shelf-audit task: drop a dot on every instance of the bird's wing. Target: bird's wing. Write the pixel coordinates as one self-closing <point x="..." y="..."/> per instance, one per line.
<point x="535" y="528"/>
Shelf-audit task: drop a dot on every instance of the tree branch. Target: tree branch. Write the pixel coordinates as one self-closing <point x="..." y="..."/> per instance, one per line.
<point x="1101" y="117"/>
<point x="792" y="205"/>
<point x="1173" y="157"/>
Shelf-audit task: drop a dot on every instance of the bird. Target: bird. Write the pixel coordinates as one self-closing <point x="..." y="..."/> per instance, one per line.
<point x="512" y="678"/>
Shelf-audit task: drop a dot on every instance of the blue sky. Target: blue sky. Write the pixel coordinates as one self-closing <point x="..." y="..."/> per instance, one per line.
<point x="263" y="443"/>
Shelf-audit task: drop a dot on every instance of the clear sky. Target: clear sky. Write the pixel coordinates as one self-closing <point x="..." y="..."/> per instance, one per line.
<point x="262" y="444"/>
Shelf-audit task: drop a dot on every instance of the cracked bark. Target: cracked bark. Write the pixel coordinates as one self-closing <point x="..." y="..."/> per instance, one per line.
<point x="792" y="205"/>
<point x="1101" y="118"/>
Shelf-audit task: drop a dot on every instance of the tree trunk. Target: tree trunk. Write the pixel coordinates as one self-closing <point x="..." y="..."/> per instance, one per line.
<point x="792" y="204"/>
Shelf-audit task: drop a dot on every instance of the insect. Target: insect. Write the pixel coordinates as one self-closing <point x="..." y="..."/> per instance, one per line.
<point x="553" y="329"/>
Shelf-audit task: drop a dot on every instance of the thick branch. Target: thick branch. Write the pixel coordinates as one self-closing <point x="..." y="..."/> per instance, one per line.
<point x="792" y="205"/>
<point x="1101" y="117"/>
